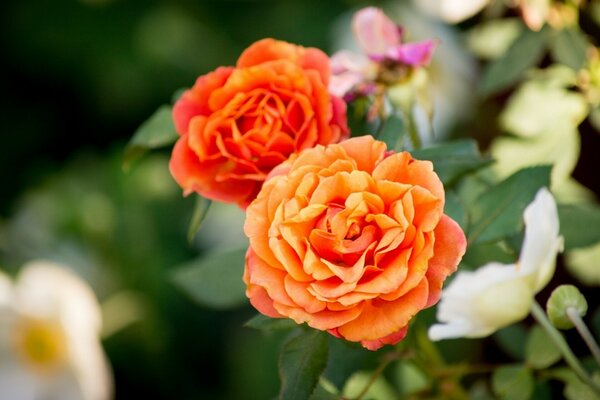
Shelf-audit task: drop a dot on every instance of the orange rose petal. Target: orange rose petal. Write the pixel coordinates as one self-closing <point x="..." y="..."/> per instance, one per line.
<point x="416" y="272"/>
<point x="261" y="301"/>
<point x="192" y="175"/>
<point x="392" y="276"/>
<point x="450" y="245"/>
<point x="379" y="318"/>
<point x="299" y="294"/>
<point x="323" y="320"/>
<point x="391" y="191"/>
<point x="401" y="167"/>
<point x="195" y="101"/>
<point x="271" y="279"/>
<point x="366" y="151"/>
<point x="392" y="339"/>
<point x="428" y="209"/>
<point x="351" y="299"/>
<point x="391" y="239"/>
<point x="289" y="259"/>
<point x="314" y="266"/>
<point x="330" y="289"/>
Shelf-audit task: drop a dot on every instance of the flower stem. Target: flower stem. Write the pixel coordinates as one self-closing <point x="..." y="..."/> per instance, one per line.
<point x="412" y="130"/>
<point x="387" y="359"/>
<point x="560" y="342"/>
<point x="585" y="333"/>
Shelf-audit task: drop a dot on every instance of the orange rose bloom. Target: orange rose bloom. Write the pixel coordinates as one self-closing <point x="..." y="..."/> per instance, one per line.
<point x="351" y="240"/>
<point x="238" y="123"/>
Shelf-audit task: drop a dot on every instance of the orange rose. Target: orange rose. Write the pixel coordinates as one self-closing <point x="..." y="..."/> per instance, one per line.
<point x="351" y="240"/>
<point x="238" y="123"/>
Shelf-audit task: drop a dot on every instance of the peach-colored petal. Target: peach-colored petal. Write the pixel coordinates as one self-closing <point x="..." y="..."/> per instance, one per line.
<point x="365" y="150"/>
<point x="392" y="339"/>
<point x="301" y="296"/>
<point x="271" y="279"/>
<point x="381" y="318"/>
<point x="450" y="246"/>
<point x="323" y="320"/>
<point x="401" y="167"/>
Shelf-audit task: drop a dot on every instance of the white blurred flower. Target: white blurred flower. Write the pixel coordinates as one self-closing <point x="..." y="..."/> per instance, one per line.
<point x="477" y="303"/>
<point x="49" y="337"/>
<point x="452" y="11"/>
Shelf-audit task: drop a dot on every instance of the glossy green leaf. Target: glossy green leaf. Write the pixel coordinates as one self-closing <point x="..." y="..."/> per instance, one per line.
<point x="512" y="383"/>
<point x="451" y="160"/>
<point x="301" y="362"/>
<point x="201" y="208"/>
<point x="393" y="132"/>
<point x="158" y="131"/>
<point x="498" y="213"/>
<point x="214" y="280"/>
<point x="525" y="52"/>
<point x="540" y="350"/>
<point x="579" y="224"/>
<point x="569" y="47"/>
<point x="264" y="323"/>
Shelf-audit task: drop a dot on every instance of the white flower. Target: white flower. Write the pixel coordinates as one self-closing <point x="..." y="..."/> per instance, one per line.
<point x="478" y="303"/>
<point x="49" y="337"/>
<point x="452" y="11"/>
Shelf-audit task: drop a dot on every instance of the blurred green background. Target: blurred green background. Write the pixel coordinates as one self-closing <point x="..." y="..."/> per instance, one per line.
<point x="78" y="78"/>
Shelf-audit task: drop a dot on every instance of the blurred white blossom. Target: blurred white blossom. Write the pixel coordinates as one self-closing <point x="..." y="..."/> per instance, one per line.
<point x="50" y="322"/>
<point x="477" y="303"/>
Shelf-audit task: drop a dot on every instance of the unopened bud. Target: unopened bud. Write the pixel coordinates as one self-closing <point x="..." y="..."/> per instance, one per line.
<point x="565" y="299"/>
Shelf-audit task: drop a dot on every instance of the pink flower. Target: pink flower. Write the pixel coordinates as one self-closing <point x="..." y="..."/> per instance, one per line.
<point x="381" y="42"/>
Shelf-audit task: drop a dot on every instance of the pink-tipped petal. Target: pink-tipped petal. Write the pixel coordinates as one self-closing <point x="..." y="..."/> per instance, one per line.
<point x="375" y="32"/>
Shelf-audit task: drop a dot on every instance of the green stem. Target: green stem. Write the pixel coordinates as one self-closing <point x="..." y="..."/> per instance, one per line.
<point x="560" y="342"/>
<point x="585" y="333"/>
<point x="412" y="130"/>
<point x="386" y="361"/>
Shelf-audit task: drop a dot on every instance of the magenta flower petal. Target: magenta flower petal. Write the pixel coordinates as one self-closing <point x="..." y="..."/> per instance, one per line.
<point x="415" y="54"/>
<point x="375" y="32"/>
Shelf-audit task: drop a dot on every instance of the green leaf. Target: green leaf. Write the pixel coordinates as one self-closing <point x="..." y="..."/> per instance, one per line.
<point x="346" y="358"/>
<point x="498" y="213"/>
<point x="491" y="38"/>
<point x="380" y="389"/>
<point x="570" y="47"/>
<point x="574" y="389"/>
<point x="409" y="378"/>
<point x="451" y="160"/>
<point x="540" y="350"/>
<point x="539" y="107"/>
<point x="213" y="280"/>
<point x="579" y="225"/>
<point x="264" y="323"/>
<point x="301" y="362"/>
<point x="525" y="52"/>
<point x="392" y="132"/>
<point x="158" y="131"/>
<point x="200" y="210"/>
<point x="512" y="340"/>
<point x="455" y="209"/>
<point x="512" y="383"/>
<point x="583" y="264"/>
